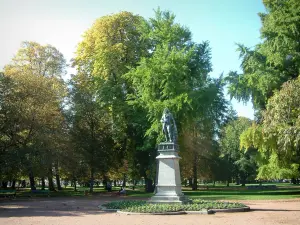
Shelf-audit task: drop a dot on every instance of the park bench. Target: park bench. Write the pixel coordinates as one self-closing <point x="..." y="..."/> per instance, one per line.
<point x="8" y="193"/>
<point x="40" y="192"/>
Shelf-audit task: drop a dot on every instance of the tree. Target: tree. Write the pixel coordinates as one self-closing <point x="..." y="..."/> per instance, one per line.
<point x="31" y="106"/>
<point x="277" y="138"/>
<point x="175" y="75"/>
<point x="275" y="60"/>
<point x="109" y="48"/>
<point x="39" y="60"/>
<point x="240" y="162"/>
<point x="266" y="69"/>
<point x="91" y="128"/>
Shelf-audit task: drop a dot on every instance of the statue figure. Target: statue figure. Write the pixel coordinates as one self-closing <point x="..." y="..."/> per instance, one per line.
<point x="168" y="126"/>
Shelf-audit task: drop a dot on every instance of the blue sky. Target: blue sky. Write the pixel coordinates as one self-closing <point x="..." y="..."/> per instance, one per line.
<point x="62" y="22"/>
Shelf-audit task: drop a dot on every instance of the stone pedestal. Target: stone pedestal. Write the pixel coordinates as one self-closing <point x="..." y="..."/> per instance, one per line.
<point x="168" y="188"/>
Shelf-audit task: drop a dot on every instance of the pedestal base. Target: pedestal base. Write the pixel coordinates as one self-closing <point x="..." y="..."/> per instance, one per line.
<point x="168" y="188"/>
<point x="169" y="200"/>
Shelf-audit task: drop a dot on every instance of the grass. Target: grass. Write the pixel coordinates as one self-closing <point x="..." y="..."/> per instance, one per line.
<point x="283" y="191"/>
<point x="218" y="192"/>
<point x="248" y="197"/>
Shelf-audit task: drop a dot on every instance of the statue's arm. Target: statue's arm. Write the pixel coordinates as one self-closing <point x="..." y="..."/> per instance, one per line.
<point x="162" y="119"/>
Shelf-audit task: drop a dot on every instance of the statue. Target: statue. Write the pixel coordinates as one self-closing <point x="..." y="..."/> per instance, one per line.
<point x="168" y="126"/>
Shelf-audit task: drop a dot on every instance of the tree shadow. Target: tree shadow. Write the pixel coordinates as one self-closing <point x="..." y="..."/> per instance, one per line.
<point x="38" y="211"/>
<point x="52" y="207"/>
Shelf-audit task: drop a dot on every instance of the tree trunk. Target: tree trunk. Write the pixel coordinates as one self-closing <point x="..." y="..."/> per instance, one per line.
<point x="43" y="183"/>
<point x="237" y="180"/>
<point x="243" y="180"/>
<point x="75" y="185"/>
<point x="31" y="180"/>
<point x="50" y="180"/>
<point x="58" y="181"/>
<point x="57" y="177"/>
<point x="19" y="184"/>
<point x="124" y="180"/>
<point x="115" y="183"/>
<point x="4" y="184"/>
<point x="92" y="181"/>
<point x="190" y="182"/>
<point x="23" y="185"/>
<point x="13" y="184"/>
<point x="149" y="185"/>
<point x="195" y="175"/>
<point x="228" y="182"/>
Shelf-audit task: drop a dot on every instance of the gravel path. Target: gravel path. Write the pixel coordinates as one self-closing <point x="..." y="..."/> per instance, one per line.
<point x="75" y="211"/>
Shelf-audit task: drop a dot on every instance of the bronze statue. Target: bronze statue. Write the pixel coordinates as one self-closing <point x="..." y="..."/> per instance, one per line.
<point x="168" y="126"/>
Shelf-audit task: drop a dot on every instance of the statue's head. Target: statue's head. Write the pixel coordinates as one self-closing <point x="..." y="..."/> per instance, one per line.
<point x="166" y="111"/>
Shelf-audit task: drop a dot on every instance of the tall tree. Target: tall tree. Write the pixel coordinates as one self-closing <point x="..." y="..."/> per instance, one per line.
<point x="39" y="60"/>
<point x="277" y="137"/>
<point x="241" y="162"/>
<point x="91" y="128"/>
<point x="109" y="48"/>
<point x="275" y="60"/>
<point x="31" y="107"/>
<point x="175" y="75"/>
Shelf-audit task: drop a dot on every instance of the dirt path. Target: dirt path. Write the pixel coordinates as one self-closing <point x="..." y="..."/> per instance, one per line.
<point x="75" y="211"/>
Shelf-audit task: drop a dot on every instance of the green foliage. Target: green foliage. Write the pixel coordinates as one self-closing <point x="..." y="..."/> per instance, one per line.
<point x="175" y="73"/>
<point x="112" y="46"/>
<point x="108" y="49"/>
<point x="241" y="162"/>
<point x="281" y="33"/>
<point x="30" y="112"/>
<point x="277" y="138"/>
<point x="39" y="60"/>
<point x="275" y="60"/>
<point x="267" y="71"/>
<point x="90" y="131"/>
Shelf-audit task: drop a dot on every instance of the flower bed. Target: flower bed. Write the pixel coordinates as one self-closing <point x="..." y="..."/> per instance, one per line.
<point x="195" y="205"/>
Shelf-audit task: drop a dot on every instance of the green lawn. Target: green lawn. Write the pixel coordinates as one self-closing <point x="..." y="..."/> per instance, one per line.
<point x="284" y="191"/>
<point x="247" y="197"/>
<point x="207" y="192"/>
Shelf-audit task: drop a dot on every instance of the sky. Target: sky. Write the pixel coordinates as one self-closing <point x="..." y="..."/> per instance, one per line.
<point x="61" y="23"/>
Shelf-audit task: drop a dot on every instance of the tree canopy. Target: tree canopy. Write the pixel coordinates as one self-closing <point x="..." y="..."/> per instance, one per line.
<point x="278" y="136"/>
<point x="270" y="78"/>
<point x="273" y="61"/>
